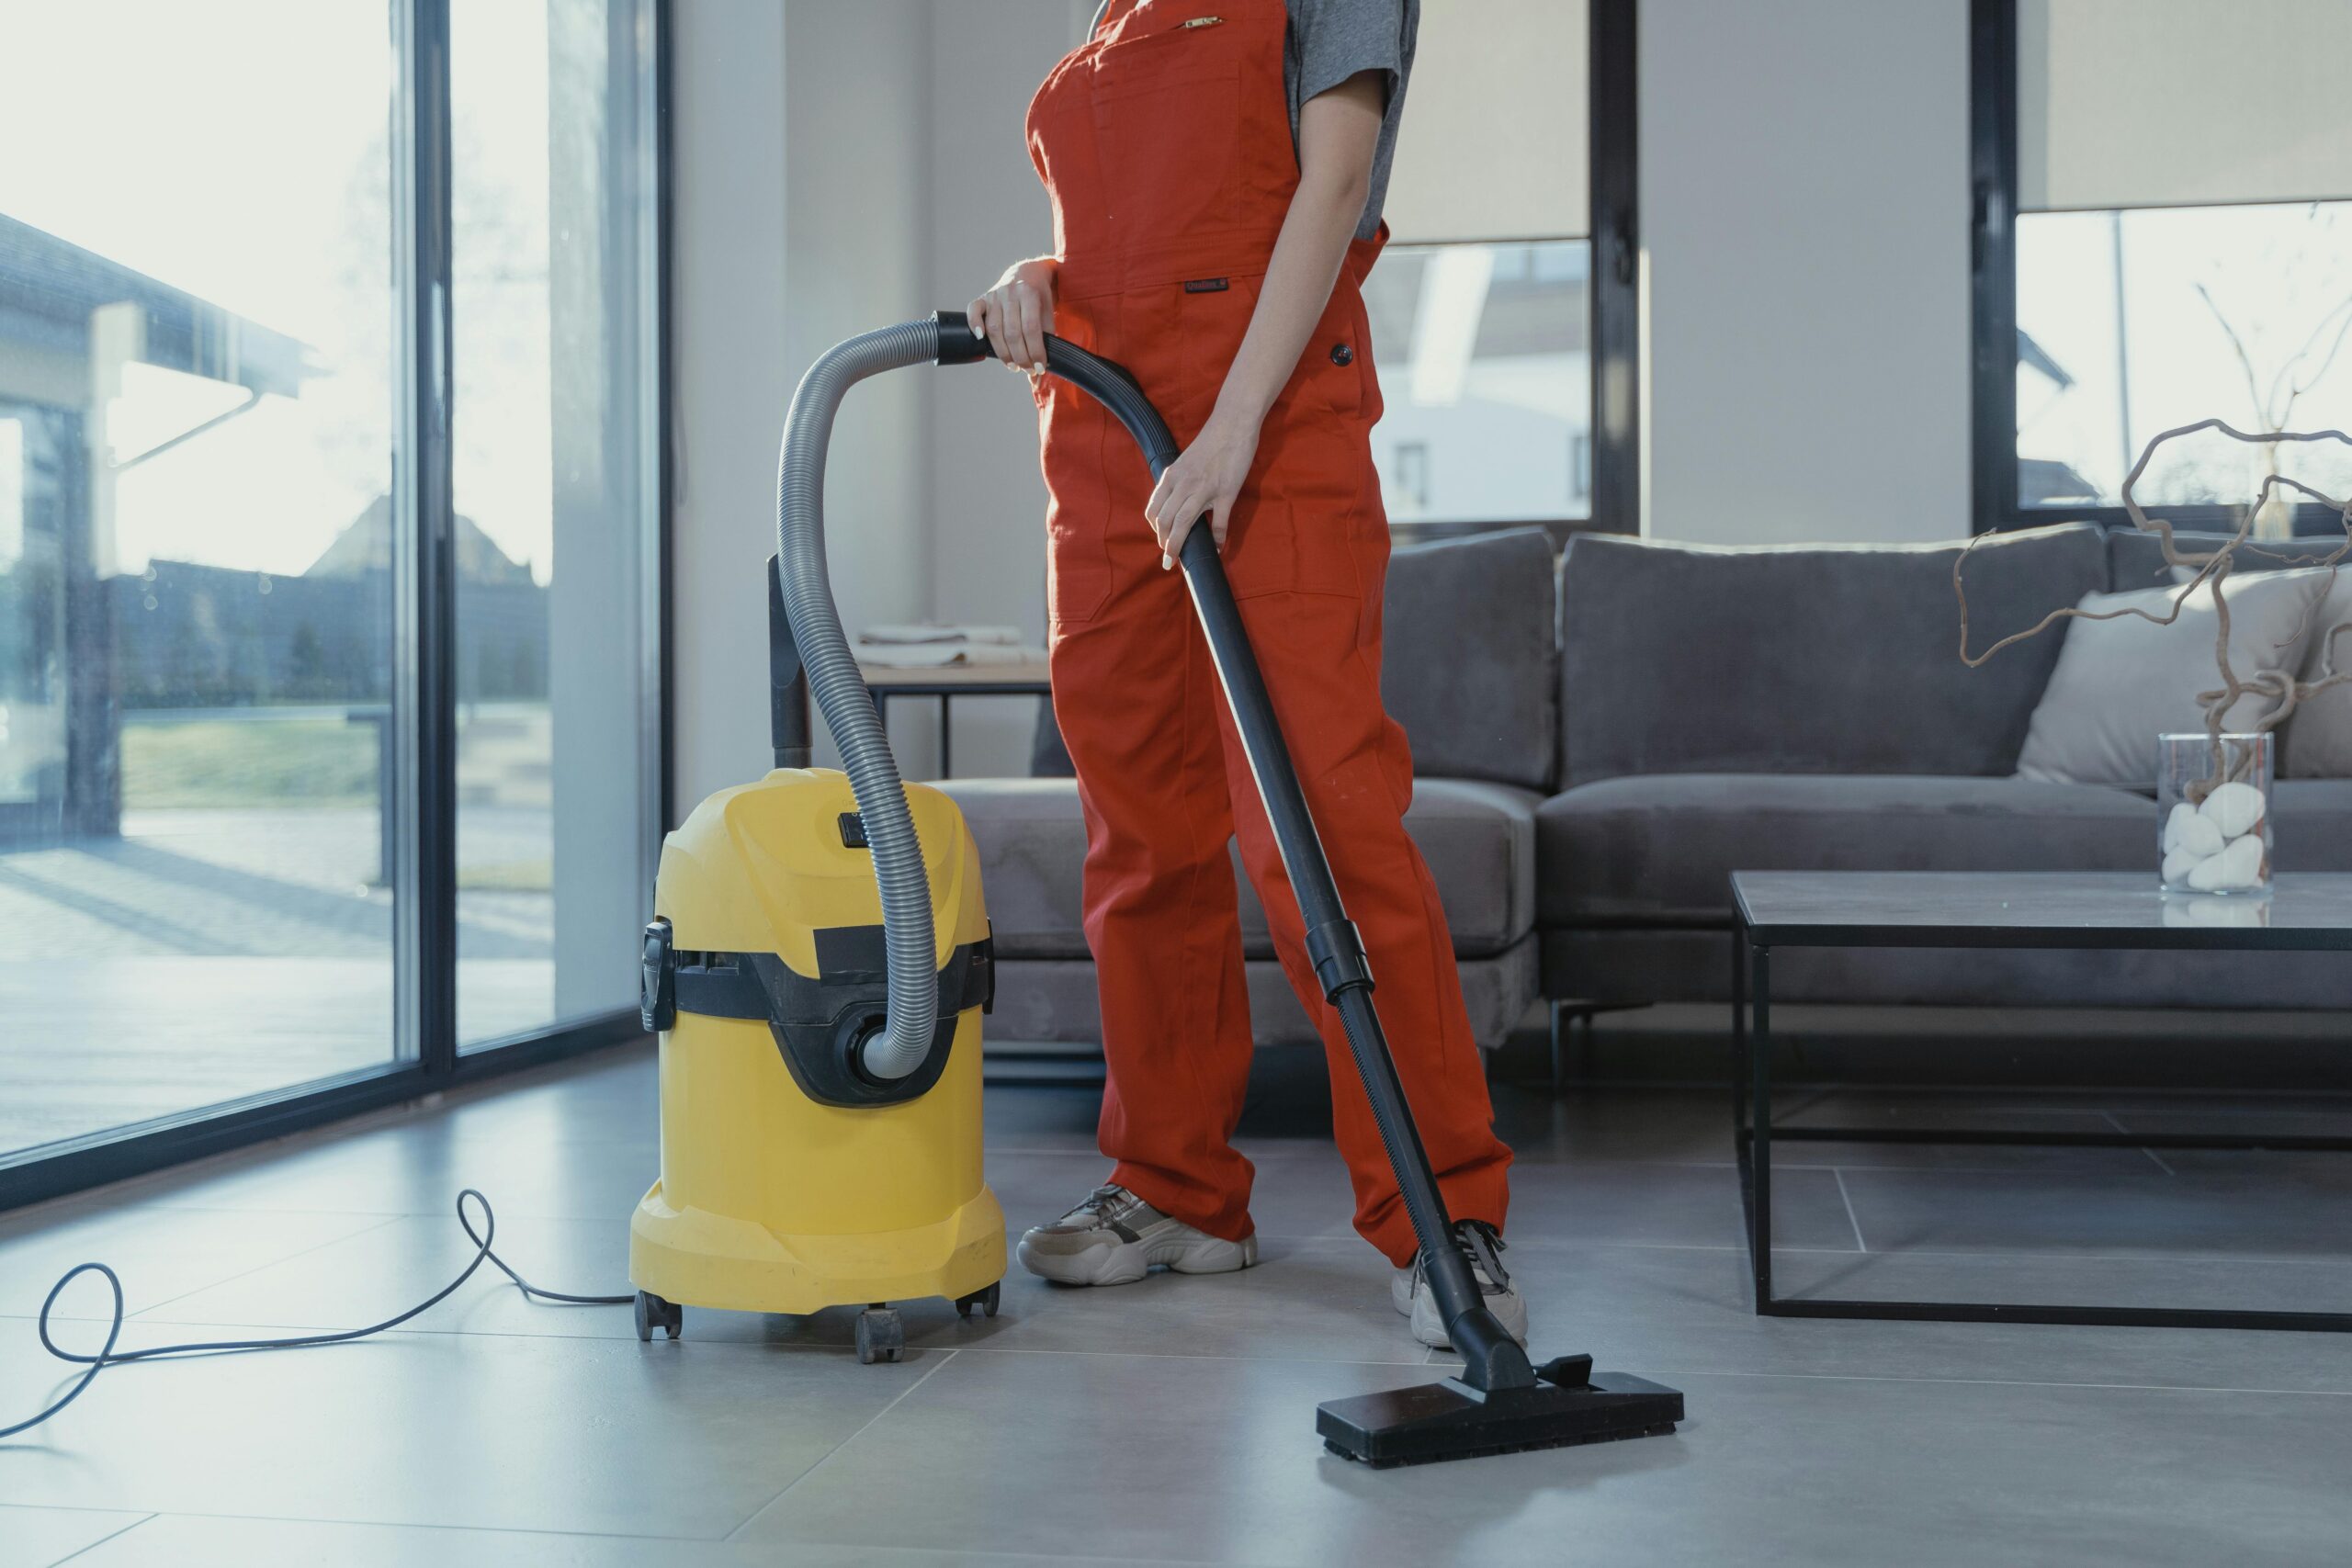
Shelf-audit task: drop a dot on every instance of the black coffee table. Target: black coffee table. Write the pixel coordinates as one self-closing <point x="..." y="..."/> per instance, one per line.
<point x="1994" y="910"/>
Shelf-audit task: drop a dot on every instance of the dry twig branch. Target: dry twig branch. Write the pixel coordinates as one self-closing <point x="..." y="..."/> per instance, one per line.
<point x="2210" y="567"/>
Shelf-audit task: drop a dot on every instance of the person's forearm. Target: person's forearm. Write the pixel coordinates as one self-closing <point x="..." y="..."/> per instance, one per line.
<point x="1324" y="213"/>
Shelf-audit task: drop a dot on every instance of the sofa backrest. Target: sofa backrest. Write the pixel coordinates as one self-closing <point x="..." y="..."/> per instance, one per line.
<point x="2135" y="558"/>
<point x="1468" y="665"/>
<point x="1683" y="659"/>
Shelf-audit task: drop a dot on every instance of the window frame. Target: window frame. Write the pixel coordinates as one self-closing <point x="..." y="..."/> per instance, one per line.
<point x="1993" y="148"/>
<point x="425" y="1057"/>
<point x="1612" y="300"/>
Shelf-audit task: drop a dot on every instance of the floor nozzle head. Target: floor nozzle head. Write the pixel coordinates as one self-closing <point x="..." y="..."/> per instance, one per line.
<point x="1429" y="1422"/>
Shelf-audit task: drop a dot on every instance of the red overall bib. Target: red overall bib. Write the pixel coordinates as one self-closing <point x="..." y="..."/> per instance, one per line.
<point x="1165" y="143"/>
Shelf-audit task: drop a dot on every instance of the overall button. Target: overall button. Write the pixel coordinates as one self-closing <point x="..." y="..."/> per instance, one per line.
<point x="1341" y="354"/>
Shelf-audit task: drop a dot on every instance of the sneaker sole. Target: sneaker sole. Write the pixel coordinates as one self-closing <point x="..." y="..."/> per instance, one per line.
<point x="1130" y="1261"/>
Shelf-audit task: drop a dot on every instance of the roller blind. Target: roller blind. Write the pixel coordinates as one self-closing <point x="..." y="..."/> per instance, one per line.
<point x="2181" y="103"/>
<point x="1493" y="141"/>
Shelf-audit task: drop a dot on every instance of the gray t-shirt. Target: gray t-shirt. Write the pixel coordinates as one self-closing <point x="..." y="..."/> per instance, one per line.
<point x="1331" y="40"/>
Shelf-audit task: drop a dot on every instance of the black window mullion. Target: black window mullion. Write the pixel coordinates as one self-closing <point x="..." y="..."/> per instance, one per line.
<point x="1993" y="255"/>
<point x="1613" y="183"/>
<point x="425" y="582"/>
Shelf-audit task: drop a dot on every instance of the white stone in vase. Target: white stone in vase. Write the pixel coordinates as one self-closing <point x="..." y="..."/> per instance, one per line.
<point x="2200" y="837"/>
<point x="2183" y="814"/>
<point x="2177" y="865"/>
<point x="2236" y="867"/>
<point x="2233" y="807"/>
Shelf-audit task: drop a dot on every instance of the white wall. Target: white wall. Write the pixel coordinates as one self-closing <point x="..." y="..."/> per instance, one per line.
<point x="727" y="358"/>
<point x="988" y="496"/>
<point x="1804" y="217"/>
<point x="802" y="159"/>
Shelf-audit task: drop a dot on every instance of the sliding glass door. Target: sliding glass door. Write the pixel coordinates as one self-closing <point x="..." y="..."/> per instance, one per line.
<point x="328" y="586"/>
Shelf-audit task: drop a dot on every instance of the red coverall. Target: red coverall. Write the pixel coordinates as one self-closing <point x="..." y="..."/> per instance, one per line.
<point x="1165" y="143"/>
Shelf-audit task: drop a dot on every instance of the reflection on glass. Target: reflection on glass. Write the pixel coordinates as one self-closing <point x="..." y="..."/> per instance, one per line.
<point x="2133" y="322"/>
<point x="1483" y="354"/>
<point x="550" y="488"/>
<point x="196" y="392"/>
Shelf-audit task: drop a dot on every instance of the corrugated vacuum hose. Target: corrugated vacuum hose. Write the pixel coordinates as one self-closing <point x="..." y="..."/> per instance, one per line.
<point x="911" y="1011"/>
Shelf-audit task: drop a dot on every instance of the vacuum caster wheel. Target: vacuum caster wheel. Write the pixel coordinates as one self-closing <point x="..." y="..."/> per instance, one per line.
<point x="985" y="1299"/>
<point x="653" y="1313"/>
<point x="880" y="1336"/>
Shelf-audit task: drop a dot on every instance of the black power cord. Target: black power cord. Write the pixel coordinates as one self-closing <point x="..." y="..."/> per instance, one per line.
<point x="107" y="1356"/>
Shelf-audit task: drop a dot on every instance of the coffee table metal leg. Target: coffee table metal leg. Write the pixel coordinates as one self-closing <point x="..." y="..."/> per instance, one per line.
<point x="1760" y="1053"/>
<point x="1740" y="1068"/>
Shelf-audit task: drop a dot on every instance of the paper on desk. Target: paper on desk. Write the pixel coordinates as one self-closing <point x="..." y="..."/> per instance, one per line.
<point x="937" y="633"/>
<point x="944" y="655"/>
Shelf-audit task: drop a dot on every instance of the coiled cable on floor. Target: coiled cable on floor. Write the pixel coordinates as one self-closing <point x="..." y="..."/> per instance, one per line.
<point x="107" y="1356"/>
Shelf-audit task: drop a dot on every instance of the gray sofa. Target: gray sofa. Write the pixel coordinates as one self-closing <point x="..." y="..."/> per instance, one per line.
<point x="1600" y="739"/>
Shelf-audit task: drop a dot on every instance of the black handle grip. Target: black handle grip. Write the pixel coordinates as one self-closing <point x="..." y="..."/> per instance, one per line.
<point x="788" y="726"/>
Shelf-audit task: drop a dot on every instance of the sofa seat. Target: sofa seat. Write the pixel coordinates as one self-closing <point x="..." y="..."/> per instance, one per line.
<point x="1660" y="850"/>
<point x="2311" y="824"/>
<point x="1478" y="839"/>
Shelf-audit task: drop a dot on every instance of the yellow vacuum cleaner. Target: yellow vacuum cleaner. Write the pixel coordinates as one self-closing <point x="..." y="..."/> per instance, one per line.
<point x="817" y="968"/>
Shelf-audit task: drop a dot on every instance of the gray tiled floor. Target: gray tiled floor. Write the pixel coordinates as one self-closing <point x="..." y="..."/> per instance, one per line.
<point x="1172" y="1421"/>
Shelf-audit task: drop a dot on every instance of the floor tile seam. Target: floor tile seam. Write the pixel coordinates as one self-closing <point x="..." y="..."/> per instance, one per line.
<point x="111" y="1535"/>
<point x="2117" y="1123"/>
<point x="2229" y="1260"/>
<point x="1852" y="1218"/>
<point x="1130" y="1355"/>
<point x="2008" y="1382"/>
<point x="1781" y="1165"/>
<point x="409" y="1524"/>
<point x="827" y="1347"/>
<point x="258" y="1268"/>
<point x="438" y="1335"/>
<point x="826" y="1457"/>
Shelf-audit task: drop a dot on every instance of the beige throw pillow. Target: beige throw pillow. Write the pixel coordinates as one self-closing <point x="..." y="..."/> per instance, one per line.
<point x="2319" y="736"/>
<point x="2120" y="683"/>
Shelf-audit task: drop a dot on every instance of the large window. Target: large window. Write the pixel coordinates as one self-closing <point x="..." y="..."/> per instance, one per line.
<point x="2165" y="222"/>
<point x="552" y="486"/>
<point x="1490" y="331"/>
<point x="283" y="720"/>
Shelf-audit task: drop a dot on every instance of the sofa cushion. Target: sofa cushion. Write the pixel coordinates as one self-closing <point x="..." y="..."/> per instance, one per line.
<point x="1819" y="660"/>
<point x="1662" y="849"/>
<point x="1055" y="1000"/>
<point x="1468" y="665"/>
<point x="1478" y="839"/>
<point x="2311" y="824"/>
<point x="2123" y="679"/>
<point x="1469" y="668"/>
<point x="2317" y="742"/>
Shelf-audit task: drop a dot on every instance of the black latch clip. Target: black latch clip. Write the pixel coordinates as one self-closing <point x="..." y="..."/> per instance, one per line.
<point x="657" y="981"/>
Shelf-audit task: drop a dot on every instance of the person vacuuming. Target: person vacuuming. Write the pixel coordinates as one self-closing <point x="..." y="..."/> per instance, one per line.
<point x="1215" y="172"/>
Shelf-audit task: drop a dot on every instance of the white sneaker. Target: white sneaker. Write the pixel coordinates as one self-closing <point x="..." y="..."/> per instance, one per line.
<point x="1409" y="1292"/>
<point x="1115" y="1237"/>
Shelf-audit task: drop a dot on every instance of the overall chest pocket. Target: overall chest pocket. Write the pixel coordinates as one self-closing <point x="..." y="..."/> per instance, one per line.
<point x="1167" y="108"/>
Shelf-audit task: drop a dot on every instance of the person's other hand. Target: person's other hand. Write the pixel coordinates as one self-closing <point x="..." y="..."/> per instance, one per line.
<point x="1204" y="479"/>
<point x="1018" y="312"/>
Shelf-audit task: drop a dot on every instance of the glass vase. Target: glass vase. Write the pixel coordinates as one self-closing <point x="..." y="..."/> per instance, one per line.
<point x="2214" y="814"/>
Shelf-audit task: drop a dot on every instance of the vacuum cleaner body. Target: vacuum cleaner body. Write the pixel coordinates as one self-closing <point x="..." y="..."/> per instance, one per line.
<point x="789" y="1180"/>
